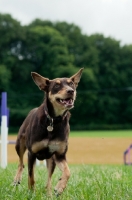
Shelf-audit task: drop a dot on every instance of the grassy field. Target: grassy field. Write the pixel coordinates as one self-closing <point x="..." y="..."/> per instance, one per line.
<point x="104" y="133"/>
<point x="87" y="182"/>
<point x="91" y="176"/>
<point x="101" y="133"/>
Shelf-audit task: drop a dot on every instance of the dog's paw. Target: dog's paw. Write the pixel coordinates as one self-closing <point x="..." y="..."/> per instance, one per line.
<point x="15" y="183"/>
<point x="58" y="191"/>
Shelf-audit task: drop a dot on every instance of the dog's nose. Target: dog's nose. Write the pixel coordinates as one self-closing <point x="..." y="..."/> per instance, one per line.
<point x="70" y="91"/>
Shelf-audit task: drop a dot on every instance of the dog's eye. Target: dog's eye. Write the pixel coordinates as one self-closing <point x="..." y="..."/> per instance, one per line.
<point x="71" y="84"/>
<point x="57" y="86"/>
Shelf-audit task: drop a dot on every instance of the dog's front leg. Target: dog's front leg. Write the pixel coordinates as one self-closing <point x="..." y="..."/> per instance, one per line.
<point x="31" y="162"/>
<point x="63" y="166"/>
<point x="50" y="167"/>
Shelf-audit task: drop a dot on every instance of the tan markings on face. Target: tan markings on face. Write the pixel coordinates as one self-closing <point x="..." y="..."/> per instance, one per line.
<point x="58" y="81"/>
<point x="59" y="110"/>
<point x="62" y="94"/>
<point x="68" y="80"/>
<point x="37" y="146"/>
<point x="51" y="97"/>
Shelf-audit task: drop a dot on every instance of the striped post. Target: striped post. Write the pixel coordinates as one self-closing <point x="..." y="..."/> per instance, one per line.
<point x="4" y="130"/>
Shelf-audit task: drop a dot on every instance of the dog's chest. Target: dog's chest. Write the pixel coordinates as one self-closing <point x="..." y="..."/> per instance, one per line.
<point x="50" y="146"/>
<point x="55" y="147"/>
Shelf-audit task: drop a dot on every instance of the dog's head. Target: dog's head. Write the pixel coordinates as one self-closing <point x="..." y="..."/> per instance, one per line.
<point x="60" y="91"/>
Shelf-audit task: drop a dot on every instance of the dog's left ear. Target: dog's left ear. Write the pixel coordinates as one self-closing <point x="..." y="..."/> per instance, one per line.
<point x="40" y="81"/>
<point x="76" y="77"/>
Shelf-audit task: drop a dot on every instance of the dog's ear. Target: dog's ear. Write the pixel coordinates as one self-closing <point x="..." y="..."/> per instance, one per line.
<point x="76" y="77"/>
<point x="40" y="81"/>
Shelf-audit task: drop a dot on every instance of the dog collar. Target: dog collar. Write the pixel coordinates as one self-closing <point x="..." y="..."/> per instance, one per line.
<point x="50" y="127"/>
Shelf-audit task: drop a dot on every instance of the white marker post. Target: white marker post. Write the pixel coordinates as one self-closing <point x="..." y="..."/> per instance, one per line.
<point x="4" y="130"/>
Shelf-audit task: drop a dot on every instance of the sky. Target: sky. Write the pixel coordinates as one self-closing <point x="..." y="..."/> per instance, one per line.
<point x="112" y="18"/>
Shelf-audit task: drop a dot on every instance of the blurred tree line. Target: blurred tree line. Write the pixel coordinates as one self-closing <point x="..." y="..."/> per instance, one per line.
<point x="60" y="49"/>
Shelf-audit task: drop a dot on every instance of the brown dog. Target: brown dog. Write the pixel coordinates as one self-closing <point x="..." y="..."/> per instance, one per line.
<point x="44" y="132"/>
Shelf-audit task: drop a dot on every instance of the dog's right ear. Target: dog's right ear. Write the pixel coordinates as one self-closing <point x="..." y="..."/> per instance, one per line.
<point x="40" y="81"/>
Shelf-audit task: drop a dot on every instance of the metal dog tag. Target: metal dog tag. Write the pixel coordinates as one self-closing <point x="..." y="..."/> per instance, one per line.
<point x="50" y="128"/>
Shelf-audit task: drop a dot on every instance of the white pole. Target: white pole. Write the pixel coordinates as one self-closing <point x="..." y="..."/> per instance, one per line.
<point x="4" y="130"/>
<point x="4" y="141"/>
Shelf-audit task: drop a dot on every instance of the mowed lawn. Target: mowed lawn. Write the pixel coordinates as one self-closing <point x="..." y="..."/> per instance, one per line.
<point x="96" y="164"/>
<point x="90" y="147"/>
<point x="103" y="133"/>
<point x="87" y="182"/>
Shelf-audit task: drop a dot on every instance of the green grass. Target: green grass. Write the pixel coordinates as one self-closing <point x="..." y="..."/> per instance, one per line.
<point x="87" y="182"/>
<point x="111" y="133"/>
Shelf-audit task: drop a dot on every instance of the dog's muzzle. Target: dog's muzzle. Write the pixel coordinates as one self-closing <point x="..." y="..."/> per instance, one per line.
<point x="68" y="102"/>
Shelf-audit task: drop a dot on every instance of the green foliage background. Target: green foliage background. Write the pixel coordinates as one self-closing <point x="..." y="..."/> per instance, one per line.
<point x="60" y="49"/>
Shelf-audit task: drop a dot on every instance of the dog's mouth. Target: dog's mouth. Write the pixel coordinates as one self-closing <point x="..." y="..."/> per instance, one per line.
<point x="66" y="102"/>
